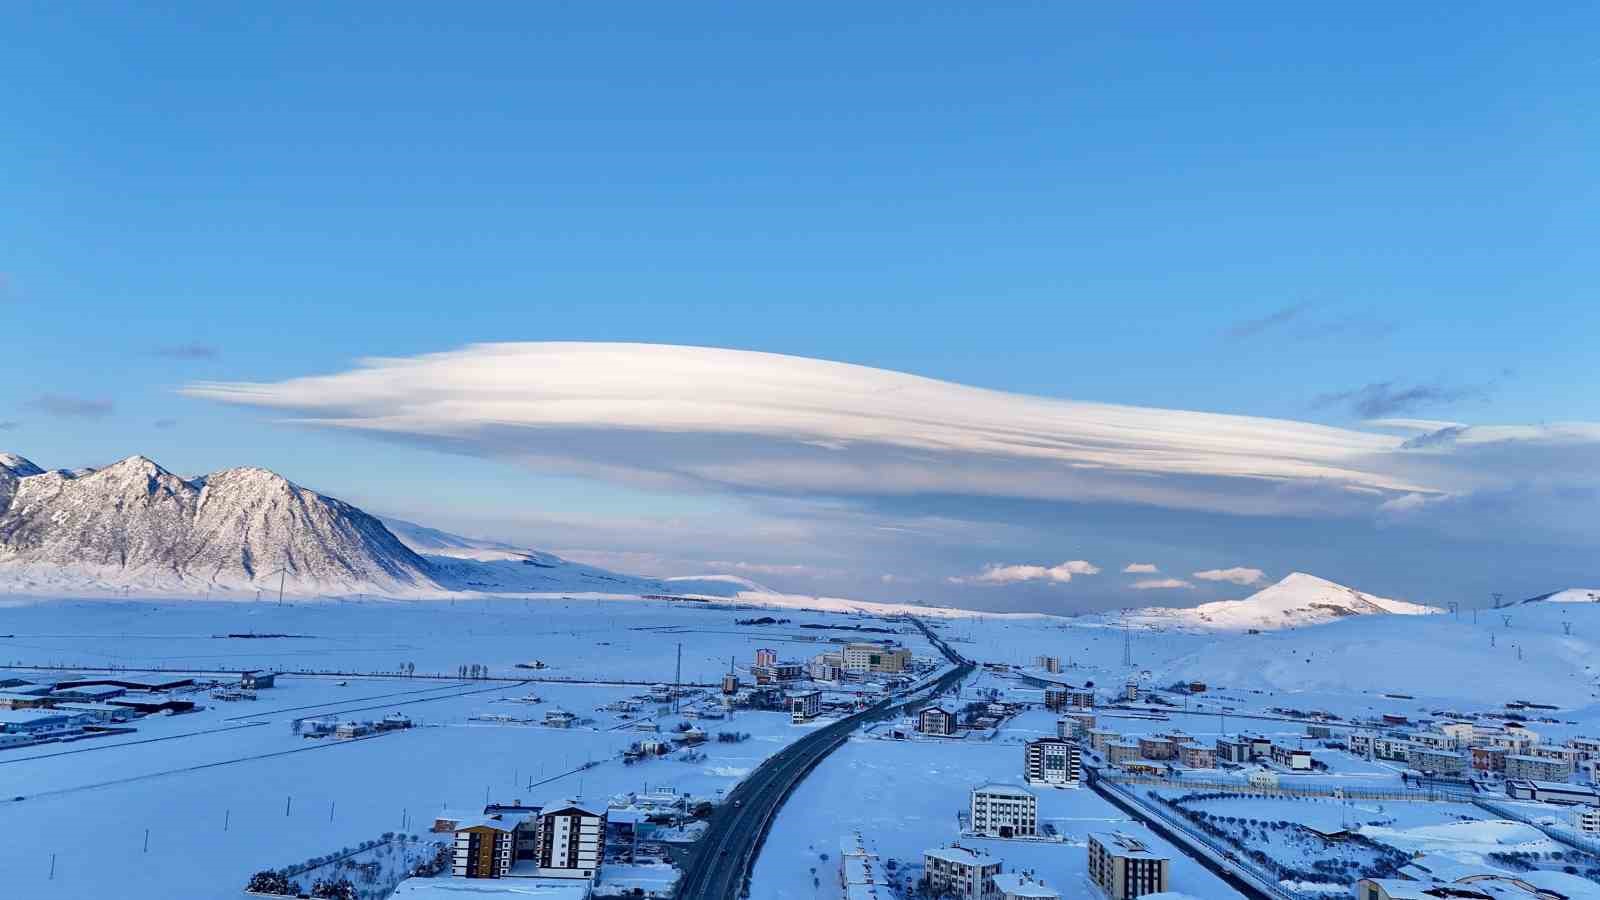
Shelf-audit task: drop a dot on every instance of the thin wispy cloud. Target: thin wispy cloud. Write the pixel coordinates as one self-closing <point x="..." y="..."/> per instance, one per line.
<point x="1160" y="584"/>
<point x="10" y="425"/>
<point x="1235" y="575"/>
<point x="1140" y="569"/>
<point x="996" y="574"/>
<point x="1390" y="398"/>
<point x="189" y="351"/>
<point x="72" y="407"/>
<point x="165" y="423"/>
<point x="1277" y="319"/>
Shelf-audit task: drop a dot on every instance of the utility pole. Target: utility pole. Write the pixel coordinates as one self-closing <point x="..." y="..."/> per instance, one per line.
<point x="677" y="681"/>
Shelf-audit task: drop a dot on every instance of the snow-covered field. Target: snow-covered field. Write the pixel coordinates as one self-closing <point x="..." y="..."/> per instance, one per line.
<point x="231" y="789"/>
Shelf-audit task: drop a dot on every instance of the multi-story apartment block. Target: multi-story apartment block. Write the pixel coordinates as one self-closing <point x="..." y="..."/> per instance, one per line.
<point x="1291" y="758"/>
<point x="1124" y="868"/>
<point x="1055" y="698"/>
<point x="1004" y="811"/>
<point x="1102" y="738"/>
<point x="827" y="667"/>
<point x="1489" y="759"/>
<point x="861" y="872"/>
<point x="1587" y="747"/>
<point x="1119" y="752"/>
<point x="1438" y="761"/>
<point x="1233" y="750"/>
<point x="766" y="657"/>
<point x="1074" y="725"/>
<point x="1051" y="664"/>
<point x="1587" y="819"/>
<point x="1052" y="761"/>
<point x="1018" y="886"/>
<point x="1391" y="748"/>
<point x="937" y="721"/>
<point x="571" y="841"/>
<point x="486" y="846"/>
<point x="1196" y="756"/>
<point x="1536" y="768"/>
<point x="804" y="707"/>
<point x="960" y="873"/>
<point x="1462" y="734"/>
<point x="1158" y="747"/>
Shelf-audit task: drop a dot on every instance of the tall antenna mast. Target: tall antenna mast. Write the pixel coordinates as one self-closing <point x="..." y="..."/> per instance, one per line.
<point x="677" y="681"/>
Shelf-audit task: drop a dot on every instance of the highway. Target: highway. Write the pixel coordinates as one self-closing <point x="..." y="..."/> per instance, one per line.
<point x="719" y="868"/>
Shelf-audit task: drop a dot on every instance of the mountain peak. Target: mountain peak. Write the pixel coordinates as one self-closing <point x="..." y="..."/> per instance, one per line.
<point x="20" y="466"/>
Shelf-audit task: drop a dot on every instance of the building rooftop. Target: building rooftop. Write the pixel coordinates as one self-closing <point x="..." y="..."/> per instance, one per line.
<point x="445" y="888"/>
<point x="1124" y="845"/>
<point x="1018" y="885"/>
<point x="1009" y="790"/>
<point x="29" y="716"/>
<point x="960" y="855"/>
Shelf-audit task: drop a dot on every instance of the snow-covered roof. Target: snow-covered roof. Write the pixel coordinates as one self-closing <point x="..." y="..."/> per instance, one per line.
<point x="1019" y="885"/>
<point x="29" y="716"/>
<point x="1009" y="790"/>
<point x="445" y="887"/>
<point x="1124" y="845"/>
<point x="960" y="856"/>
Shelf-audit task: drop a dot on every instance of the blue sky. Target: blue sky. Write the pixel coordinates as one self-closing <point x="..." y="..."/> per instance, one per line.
<point x="1258" y="209"/>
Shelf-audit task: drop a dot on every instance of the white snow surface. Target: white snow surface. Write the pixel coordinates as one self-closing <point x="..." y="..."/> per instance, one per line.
<point x="1298" y="600"/>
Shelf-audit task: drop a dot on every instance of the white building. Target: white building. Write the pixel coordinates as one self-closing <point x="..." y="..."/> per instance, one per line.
<point x="861" y="874"/>
<point x="1536" y="768"/>
<point x="571" y="841"/>
<point x="827" y="667"/>
<point x="960" y="873"/>
<point x="1052" y="761"/>
<point x="1587" y="819"/>
<point x="1004" y="811"/>
<point x="1014" y="886"/>
<point x="805" y="706"/>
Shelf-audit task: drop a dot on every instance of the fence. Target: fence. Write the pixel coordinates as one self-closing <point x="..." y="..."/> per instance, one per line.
<point x="1416" y="795"/>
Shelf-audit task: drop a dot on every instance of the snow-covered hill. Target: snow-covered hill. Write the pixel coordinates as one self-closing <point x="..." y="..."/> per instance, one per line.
<point x="1570" y="595"/>
<point x="1298" y="600"/>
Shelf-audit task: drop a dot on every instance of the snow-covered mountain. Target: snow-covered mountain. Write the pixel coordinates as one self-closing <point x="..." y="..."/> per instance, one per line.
<point x="1299" y="599"/>
<point x="135" y="527"/>
<point x="1570" y="595"/>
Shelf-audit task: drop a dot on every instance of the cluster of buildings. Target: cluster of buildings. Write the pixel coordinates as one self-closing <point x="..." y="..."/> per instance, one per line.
<point x="1121" y="866"/>
<point x="351" y="729"/>
<point x="1458" y="749"/>
<point x="564" y="840"/>
<point x="1158" y="754"/>
<point x="851" y="661"/>
<point x="43" y="708"/>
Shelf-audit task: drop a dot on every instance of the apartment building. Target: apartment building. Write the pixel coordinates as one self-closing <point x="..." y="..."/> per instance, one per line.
<point x="1004" y="811"/>
<point x="571" y="841"/>
<point x="1438" y="761"/>
<point x="861" y="872"/>
<point x="766" y="657"/>
<point x="827" y="667"/>
<point x="1124" y="868"/>
<point x="1052" y="761"/>
<point x="486" y="846"/>
<point x="937" y="721"/>
<point x="1055" y="698"/>
<point x="1119" y="752"/>
<point x="1196" y="756"/>
<point x="1291" y="758"/>
<point x="804" y="707"/>
<point x="1017" y="886"/>
<point x="1074" y="725"/>
<point x="960" y="873"/>
<point x="1158" y="747"/>
<point x="1536" y="768"/>
<point x="1233" y="750"/>
<point x="1489" y="759"/>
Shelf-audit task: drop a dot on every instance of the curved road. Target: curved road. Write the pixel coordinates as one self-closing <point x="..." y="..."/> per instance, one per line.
<point x="720" y="866"/>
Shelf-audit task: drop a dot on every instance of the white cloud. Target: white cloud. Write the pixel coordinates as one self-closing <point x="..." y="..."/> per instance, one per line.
<point x="1235" y="575"/>
<point x="996" y="574"/>
<point x="1160" y="584"/>
<point x="1140" y="569"/>
<point x="704" y="419"/>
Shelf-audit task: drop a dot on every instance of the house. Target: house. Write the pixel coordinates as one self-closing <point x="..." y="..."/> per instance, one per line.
<point x="804" y="707"/>
<point x="1004" y="811"/>
<point x="1196" y="756"/>
<point x="1052" y="761"/>
<point x="571" y="841"/>
<point x="1014" y="886"/>
<point x="1438" y="761"/>
<point x="559" y="718"/>
<point x="937" y="721"/>
<point x="1124" y="868"/>
<point x="1536" y="768"/>
<point x="254" y="681"/>
<point x="960" y="873"/>
<point x="1291" y="758"/>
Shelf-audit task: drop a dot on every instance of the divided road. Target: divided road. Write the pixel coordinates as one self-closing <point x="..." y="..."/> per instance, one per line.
<point x="720" y="865"/>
